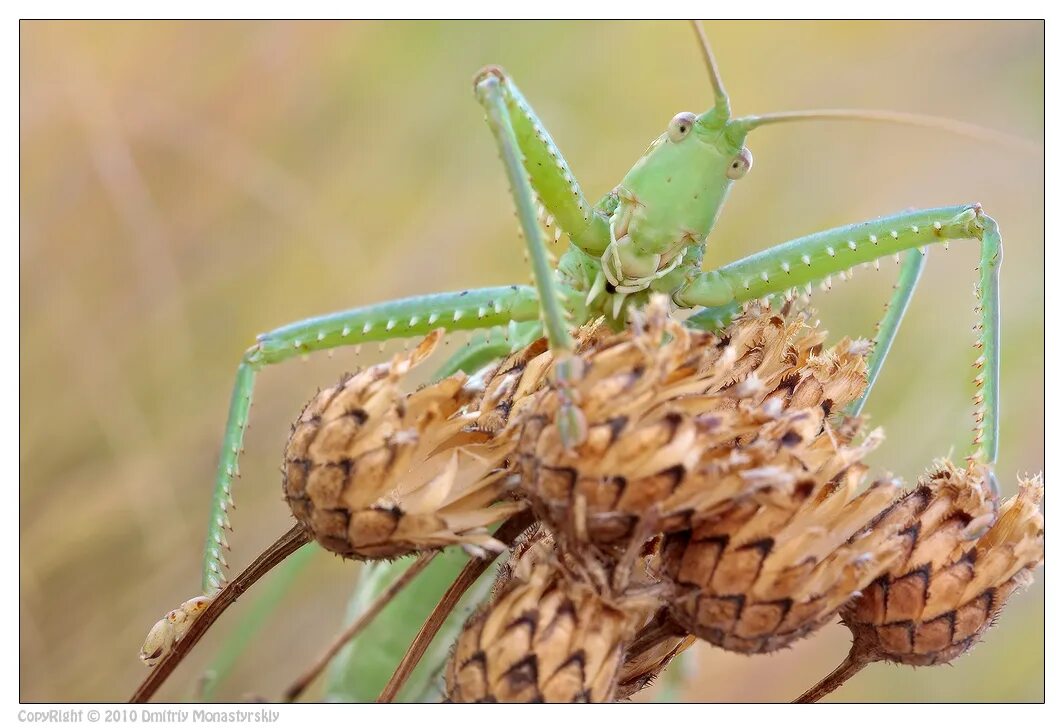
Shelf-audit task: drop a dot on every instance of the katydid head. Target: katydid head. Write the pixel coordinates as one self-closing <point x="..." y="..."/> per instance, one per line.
<point x="715" y="128"/>
<point x="673" y="194"/>
<point x="669" y="201"/>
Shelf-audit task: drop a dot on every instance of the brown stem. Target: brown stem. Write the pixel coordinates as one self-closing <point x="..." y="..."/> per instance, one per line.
<point x="507" y="533"/>
<point x="359" y="624"/>
<point x="277" y="552"/>
<point x="643" y="532"/>
<point x="855" y="661"/>
<point x="659" y="629"/>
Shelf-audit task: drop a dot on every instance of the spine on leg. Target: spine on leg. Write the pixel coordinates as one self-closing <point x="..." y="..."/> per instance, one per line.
<point x="475" y="309"/>
<point x="462" y="311"/>
<point x="814" y="258"/>
<point x="214" y="562"/>
<point x="553" y="181"/>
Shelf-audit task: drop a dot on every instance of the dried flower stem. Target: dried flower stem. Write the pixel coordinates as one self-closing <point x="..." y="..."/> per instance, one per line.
<point x="859" y="656"/>
<point x="474" y="568"/>
<point x="660" y="628"/>
<point x="274" y="554"/>
<point x="359" y="624"/>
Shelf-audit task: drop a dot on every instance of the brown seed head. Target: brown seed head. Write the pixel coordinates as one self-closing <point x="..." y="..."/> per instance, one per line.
<point x="770" y="567"/>
<point x="372" y="472"/>
<point x="961" y="561"/>
<point x="671" y="416"/>
<point x="546" y="636"/>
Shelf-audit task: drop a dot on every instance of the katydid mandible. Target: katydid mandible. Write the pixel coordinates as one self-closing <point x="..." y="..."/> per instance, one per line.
<point x="646" y="236"/>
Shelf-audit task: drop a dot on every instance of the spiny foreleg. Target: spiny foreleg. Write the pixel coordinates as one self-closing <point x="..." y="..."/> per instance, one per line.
<point x="553" y="184"/>
<point x="717" y="318"/>
<point x="416" y="316"/>
<point x="489" y="86"/>
<point x="792" y="268"/>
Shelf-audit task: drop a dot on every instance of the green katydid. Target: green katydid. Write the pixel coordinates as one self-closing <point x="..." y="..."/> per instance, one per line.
<point x="646" y="236"/>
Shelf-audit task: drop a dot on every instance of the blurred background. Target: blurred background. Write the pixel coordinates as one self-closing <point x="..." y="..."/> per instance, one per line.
<point x="185" y="186"/>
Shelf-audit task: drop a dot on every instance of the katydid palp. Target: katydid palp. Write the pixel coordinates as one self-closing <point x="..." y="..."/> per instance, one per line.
<point x="647" y="235"/>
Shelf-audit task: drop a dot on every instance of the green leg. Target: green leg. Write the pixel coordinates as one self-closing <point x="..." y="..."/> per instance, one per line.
<point x="887" y="328"/>
<point x="552" y="180"/>
<point x="490" y="93"/>
<point x="717" y="318"/>
<point x="417" y="316"/>
<point x="489" y="346"/>
<point x="787" y="268"/>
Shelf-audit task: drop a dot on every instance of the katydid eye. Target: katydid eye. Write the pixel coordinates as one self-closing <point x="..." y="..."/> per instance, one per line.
<point x="680" y="126"/>
<point x="741" y="164"/>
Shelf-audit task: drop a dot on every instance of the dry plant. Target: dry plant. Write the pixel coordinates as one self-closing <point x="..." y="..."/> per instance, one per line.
<point x="718" y="494"/>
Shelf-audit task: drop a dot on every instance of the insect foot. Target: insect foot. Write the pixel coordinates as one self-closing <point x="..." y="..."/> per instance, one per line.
<point x="675" y="421"/>
<point x="373" y="472"/>
<point x="571" y="422"/>
<point x="964" y="558"/>
<point x="170" y="629"/>
<point x="548" y="635"/>
<point x="489" y="73"/>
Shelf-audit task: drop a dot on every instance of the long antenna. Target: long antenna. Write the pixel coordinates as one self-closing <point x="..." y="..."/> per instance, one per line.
<point x="720" y="96"/>
<point x="972" y="131"/>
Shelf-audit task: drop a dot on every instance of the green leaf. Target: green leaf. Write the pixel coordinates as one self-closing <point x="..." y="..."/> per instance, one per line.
<point x="362" y="668"/>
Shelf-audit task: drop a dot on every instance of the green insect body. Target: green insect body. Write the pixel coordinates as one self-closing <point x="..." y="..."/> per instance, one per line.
<point x="646" y="235"/>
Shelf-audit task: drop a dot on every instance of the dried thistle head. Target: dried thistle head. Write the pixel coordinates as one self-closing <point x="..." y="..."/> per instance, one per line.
<point x="771" y="566"/>
<point x="548" y="634"/>
<point x="961" y="559"/>
<point x="373" y="472"/>
<point x="721" y="446"/>
<point x="666" y="409"/>
<point x="708" y="439"/>
<point x="510" y="385"/>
